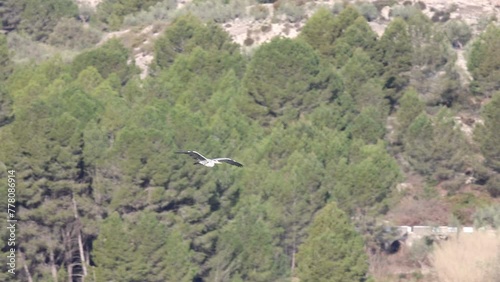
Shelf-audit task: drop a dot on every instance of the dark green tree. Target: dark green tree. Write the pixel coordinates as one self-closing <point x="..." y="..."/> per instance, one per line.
<point x="357" y="35"/>
<point x="364" y="181"/>
<point x="395" y="54"/>
<point x="112" y="250"/>
<point x="245" y="247"/>
<point x="284" y="78"/>
<point x="55" y="187"/>
<point x="142" y="250"/>
<point x="323" y="30"/>
<point x="435" y="146"/>
<point x="39" y="18"/>
<point x="368" y="125"/>
<point x="360" y="77"/>
<point x="484" y="64"/>
<point x="194" y="77"/>
<point x="333" y="251"/>
<point x="410" y="107"/>
<point x="111" y="12"/>
<point x="418" y="142"/>
<point x="110" y="58"/>
<point x="487" y="135"/>
<point x="345" y="19"/>
<point x="318" y="31"/>
<point x="184" y="35"/>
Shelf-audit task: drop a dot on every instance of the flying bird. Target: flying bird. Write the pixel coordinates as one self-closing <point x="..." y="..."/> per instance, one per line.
<point x="200" y="159"/>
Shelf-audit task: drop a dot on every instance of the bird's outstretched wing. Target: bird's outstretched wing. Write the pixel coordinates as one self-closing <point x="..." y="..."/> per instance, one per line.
<point x="228" y="161"/>
<point x="195" y="155"/>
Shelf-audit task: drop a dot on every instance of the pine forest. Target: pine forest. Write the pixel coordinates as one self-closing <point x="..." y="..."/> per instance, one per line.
<point x="344" y="134"/>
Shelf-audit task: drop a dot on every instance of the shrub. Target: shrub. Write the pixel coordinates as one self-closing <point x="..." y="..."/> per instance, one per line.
<point x="458" y="32"/>
<point x="404" y="12"/>
<point x="40" y="17"/>
<point x="421" y="5"/>
<point x="112" y="12"/>
<point x="441" y="16"/>
<point x="293" y="12"/>
<point x="259" y="12"/>
<point x="368" y="10"/>
<point x="488" y="217"/>
<point x="27" y="49"/>
<point x="71" y="33"/>
<point x="266" y="28"/>
<point x="493" y="185"/>
<point x="337" y="8"/>
<point x="162" y="11"/>
<point x="248" y="41"/>
<point x="420" y="250"/>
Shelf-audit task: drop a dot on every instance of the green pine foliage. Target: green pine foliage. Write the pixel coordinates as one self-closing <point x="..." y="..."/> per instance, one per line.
<point x="395" y="53"/>
<point x="365" y="179"/>
<point x="110" y="58"/>
<point x="435" y="146"/>
<point x="333" y="250"/>
<point x="410" y="107"/>
<point x="112" y="12"/>
<point x="38" y="18"/>
<point x="318" y="31"/>
<point x="284" y="78"/>
<point x="185" y="34"/>
<point x="483" y="64"/>
<point x="487" y="135"/>
<point x="102" y="194"/>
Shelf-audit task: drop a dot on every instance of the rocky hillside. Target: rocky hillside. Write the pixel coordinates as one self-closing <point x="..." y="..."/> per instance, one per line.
<point x="260" y="23"/>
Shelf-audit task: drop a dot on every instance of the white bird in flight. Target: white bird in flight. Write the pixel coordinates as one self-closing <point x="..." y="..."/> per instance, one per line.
<point x="209" y="162"/>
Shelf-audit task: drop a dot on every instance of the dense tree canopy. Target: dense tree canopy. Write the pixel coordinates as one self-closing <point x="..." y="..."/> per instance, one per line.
<point x="333" y="251"/>
<point x="284" y="78"/>
<point x="101" y="193"/>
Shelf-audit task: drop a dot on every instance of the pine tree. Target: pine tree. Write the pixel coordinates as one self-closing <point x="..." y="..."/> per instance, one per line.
<point x="110" y="58"/>
<point x="185" y="34"/>
<point x="55" y="187"/>
<point x="333" y="250"/>
<point x="410" y="107"/>
<point x="284" y="78"/>
<point x="39" y="19"/>
<point x="488" y="135"/>
<point x="365" y="179"/>
<point x="357" y="35"/>
<point x="435" y="146"/>
<point x="395" y="53"/>
<point x="112" y="250"/>
<point x="245" y="247"/>
<point x="318" y="31"/>
<point x="483" y="63"/>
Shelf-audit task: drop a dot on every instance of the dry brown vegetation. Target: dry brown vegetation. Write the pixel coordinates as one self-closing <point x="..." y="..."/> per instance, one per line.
<point x="414" y="211"/>
<point x="469" y="258"/>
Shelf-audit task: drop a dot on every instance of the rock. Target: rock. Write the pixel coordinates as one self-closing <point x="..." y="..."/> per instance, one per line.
<point x="384" y="13"/>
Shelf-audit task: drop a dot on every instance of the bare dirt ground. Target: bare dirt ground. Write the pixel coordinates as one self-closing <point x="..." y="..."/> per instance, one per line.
<point x="91" y="3"/>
